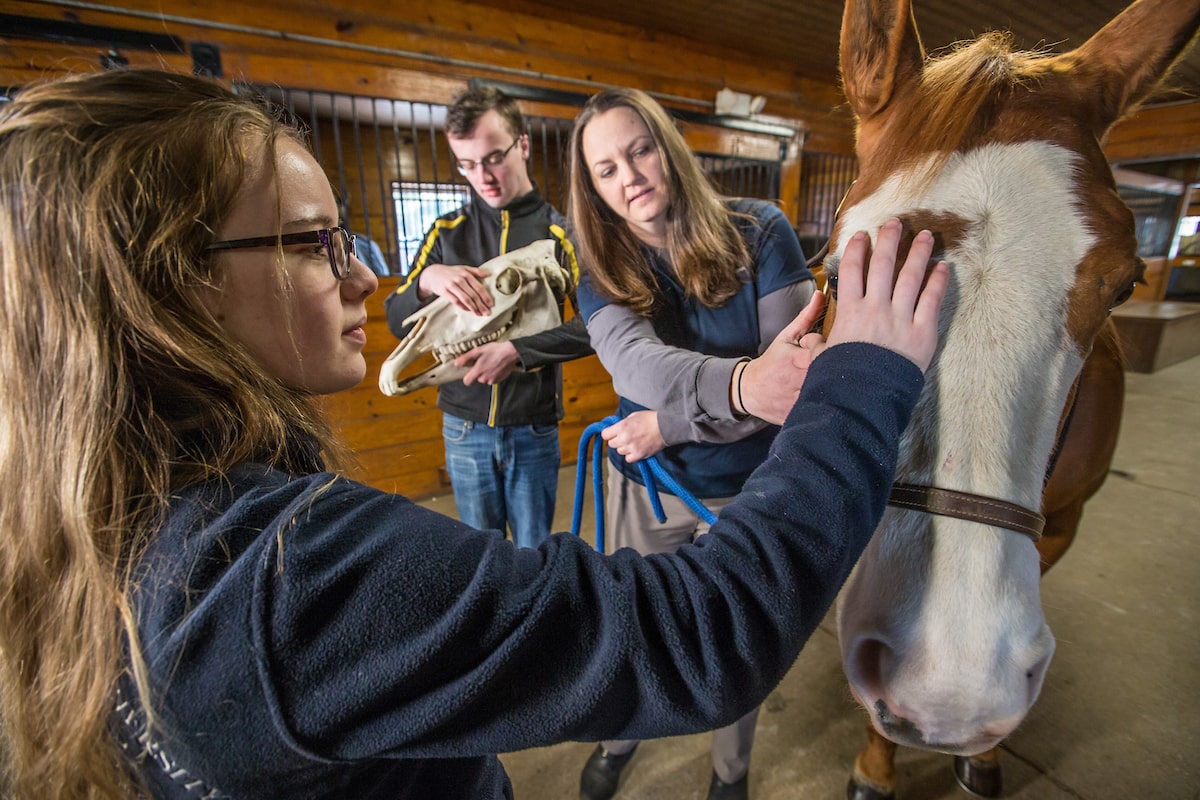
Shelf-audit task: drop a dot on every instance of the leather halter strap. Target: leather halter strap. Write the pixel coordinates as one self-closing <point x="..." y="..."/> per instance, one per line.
<point x="987" y="510"/>
<point x="971" y="507"/>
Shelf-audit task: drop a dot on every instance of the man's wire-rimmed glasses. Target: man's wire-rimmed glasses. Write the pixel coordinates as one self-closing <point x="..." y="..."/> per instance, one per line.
<point x="493" y="159"/>
<point x="338" y="242"/>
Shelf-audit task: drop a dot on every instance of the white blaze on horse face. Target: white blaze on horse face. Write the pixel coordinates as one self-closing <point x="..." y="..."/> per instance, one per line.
<point x="523" y="284"/>
<point x="941" y="627"/>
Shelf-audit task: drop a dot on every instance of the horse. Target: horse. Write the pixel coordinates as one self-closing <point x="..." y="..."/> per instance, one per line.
<point x="998" y="153"/>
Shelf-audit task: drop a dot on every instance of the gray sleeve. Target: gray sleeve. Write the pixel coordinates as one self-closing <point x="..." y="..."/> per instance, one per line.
<point x="780" y="307"/>
<point x="677" y="429"/>
<point x="670" y="380"/>
<point x="775" y="311"/>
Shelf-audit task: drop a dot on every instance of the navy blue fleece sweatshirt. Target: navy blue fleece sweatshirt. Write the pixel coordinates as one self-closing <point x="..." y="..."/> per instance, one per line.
<point x="311" y="637"/>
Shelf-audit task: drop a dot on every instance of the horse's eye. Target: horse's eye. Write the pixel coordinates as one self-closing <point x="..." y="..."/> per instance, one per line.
<point x="1123" y="295"/>
<point x="1139" y="276"/>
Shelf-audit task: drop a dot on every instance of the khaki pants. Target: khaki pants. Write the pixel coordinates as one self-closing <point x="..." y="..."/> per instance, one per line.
<point x="630" y="522"/>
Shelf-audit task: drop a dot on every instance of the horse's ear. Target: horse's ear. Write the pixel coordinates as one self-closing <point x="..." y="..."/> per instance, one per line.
<point x="1125" y="60"/>
<point x="880" y="50"/>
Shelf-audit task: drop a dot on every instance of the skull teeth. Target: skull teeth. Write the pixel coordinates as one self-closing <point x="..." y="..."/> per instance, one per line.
<point x="456" y="349"/>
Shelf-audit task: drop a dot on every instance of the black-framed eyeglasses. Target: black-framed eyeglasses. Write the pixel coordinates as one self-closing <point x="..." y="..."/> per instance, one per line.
<point x="338" y="242"/>
<point x="493" y="159"/>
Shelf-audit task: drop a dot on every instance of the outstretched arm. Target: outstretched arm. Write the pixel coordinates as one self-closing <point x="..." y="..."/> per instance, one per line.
<point x="485" y="621"/>
<point x="904" y="318"/>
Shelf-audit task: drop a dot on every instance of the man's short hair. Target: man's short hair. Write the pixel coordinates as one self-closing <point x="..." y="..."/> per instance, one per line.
<point x="464" y="113"/>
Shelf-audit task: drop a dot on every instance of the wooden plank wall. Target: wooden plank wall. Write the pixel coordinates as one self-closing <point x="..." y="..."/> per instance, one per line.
<point x="1158" y="133"/>
<point x="425" y="49"/>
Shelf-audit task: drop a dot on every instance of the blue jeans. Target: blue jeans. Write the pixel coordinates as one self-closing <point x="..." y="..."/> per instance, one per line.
<point x="504" y="478"/>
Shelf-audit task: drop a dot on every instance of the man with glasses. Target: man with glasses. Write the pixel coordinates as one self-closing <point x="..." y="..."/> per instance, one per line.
<point x="500" y="423"/>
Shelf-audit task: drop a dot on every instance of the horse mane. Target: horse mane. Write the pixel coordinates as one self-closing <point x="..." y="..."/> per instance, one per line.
<point x="958" y="100"/>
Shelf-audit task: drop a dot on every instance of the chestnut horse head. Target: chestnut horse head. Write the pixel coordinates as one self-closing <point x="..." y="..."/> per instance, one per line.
<point x="999" y="154"/>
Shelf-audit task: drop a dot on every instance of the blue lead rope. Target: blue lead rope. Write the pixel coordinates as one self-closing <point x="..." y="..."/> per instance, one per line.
<point x="650" y="469"/>
<point x="590" y="433"/>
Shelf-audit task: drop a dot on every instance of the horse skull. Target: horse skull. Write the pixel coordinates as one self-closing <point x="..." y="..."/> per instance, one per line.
<point x="525" y="285"/>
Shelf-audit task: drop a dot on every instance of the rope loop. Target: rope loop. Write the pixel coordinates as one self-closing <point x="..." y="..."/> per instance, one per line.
<point x="652" y="473"/>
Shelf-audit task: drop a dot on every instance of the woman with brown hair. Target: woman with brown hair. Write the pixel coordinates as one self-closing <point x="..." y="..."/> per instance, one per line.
<point x="193" y="605"/>
<point x="681" y="287"/>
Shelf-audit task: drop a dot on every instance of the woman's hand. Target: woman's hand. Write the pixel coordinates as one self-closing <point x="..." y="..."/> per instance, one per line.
<point x="635" y="437"/>
<point x="904" y="318"/>
<point x="767" y="386"/>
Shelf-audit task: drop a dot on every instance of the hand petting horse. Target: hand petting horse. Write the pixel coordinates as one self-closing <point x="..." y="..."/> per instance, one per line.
<point x="998" y="153"/>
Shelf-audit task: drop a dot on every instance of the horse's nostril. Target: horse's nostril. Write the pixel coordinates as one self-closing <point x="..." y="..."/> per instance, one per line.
<point x="1036" y="674"/>
<point x="867" y="666"/>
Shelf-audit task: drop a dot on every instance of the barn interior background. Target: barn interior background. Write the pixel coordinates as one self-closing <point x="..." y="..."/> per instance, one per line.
<point x="754" y="86"/>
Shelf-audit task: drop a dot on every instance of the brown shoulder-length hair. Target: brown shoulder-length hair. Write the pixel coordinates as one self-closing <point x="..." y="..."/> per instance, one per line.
<point x="119" y="388"/>
<point x="703" y="241"/>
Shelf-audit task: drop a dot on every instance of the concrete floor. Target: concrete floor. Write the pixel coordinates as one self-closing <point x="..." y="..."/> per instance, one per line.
<point x="1119" y="715"/>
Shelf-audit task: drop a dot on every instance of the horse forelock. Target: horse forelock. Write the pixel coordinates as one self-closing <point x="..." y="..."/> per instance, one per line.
<point x="955" y="105"/>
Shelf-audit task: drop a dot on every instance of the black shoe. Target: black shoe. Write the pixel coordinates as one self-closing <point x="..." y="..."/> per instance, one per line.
<point x="600" y="775"/>
<point x="738" y="790"/>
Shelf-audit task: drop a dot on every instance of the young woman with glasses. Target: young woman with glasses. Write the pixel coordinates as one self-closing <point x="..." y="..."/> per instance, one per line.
<point x="195" y="604"/>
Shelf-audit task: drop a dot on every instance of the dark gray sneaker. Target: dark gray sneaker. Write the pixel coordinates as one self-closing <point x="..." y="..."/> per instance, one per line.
<point x="720" y="790"/>
<point x="601" y="774"/>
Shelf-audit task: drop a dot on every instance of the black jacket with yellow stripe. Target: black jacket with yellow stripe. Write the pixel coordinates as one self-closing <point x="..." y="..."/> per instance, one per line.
<point x="472" y="235"/>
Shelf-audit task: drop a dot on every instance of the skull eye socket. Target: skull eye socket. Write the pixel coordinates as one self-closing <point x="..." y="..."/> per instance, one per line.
<point x="508" y="281"/>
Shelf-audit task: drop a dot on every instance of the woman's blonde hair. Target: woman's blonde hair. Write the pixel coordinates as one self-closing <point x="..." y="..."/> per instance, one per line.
<point x="703" y="242"/>
<point x="119" y="387"/>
